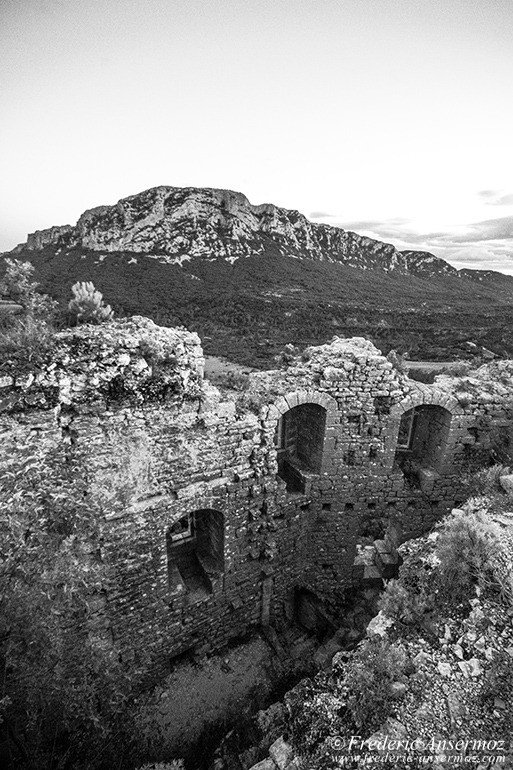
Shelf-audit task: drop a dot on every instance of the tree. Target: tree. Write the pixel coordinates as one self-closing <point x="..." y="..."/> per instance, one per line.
<point x="17" y="284"/>
<point x="87" y="304"/>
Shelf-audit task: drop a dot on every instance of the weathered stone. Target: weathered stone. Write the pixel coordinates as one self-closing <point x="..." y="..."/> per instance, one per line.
<point x="506" y="483"/>
<point x="379" y="625"/>
<point x="445" y="669"/>
<point x="281" y="753"/>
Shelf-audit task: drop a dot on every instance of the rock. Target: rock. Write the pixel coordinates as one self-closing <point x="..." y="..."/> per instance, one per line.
<point x="470" y="667"/>
<point x="281" y="753"/>
<point x="379" y="625"/>
<point x="457" y="709"/>
<point x="475" y="668"/>
<point x="398" y="689"/>
<point x="392" y="728"/>
<point x="421" y="659"/>
<point x="506" y="483"/>
<point x="445" y="669"/>
<point x="480" y="644"/>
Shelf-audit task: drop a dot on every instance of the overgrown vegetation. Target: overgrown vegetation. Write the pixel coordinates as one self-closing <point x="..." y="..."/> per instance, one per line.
<point x="498" y="680"/>
<point x="248" y="311"/>
<point x="28" y="338"/>
<point x="470" y="553"/>
<point x="27" y="341"/>
<point x="17" y="285"/>
<point x="369" y="676"/>
<point x="400" y="603"/>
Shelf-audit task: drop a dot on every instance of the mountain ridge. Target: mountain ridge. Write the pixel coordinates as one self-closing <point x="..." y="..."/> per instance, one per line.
<point x="182" y="223"/>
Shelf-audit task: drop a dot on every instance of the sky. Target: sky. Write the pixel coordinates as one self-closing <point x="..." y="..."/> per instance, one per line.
<point x="393" y="118"/>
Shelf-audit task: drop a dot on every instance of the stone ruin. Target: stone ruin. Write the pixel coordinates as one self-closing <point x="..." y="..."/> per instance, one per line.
<point x="224" y="511"/>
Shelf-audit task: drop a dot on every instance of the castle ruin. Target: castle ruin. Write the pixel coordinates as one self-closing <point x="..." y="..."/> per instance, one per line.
<point x="223" y="509"/>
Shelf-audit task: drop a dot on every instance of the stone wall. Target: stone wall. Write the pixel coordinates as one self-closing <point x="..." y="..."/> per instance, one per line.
<point x="160" y="443"/>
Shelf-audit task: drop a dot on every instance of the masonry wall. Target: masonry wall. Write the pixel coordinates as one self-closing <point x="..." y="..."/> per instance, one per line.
<point x="159" y="442"/>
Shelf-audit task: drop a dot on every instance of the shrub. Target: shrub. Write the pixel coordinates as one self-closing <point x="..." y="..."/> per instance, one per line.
<point x="232" y="380"/>
<point x="486" y="481"/>
<point x="174" y="764"/>
<point x="155" y="351"/>
<point x="288" y="355"/>
<point x="458" y="369"/>
<point x="398" y="603"/>
<point x="27" y="340"/>
<point x="498" y="680"/>
<point x="18" y="286"/>
<point x="87" y="305"/>
<point x="369" y="674"/>
<point x="471" y="553"/>
<point x="398" y="361"/>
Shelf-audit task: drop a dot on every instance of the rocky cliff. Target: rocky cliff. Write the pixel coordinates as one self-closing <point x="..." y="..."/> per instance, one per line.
<point x="177" y="224"/>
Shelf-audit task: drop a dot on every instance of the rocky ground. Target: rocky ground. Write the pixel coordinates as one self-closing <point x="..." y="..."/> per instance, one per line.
<point x="432" y="684"/>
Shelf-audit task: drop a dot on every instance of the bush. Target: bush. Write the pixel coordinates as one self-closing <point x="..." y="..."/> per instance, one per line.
<point x="17" y="285"/>
<point x="398" y="361"/>
<point x="87" y="305"/>
<point x="498" y="680"/>
<point x="369" y="674"/>
<point x="231" y="380"/>
<point x="28" y="340"/>
<point x="156" y="351"/>
<point x="486" y="481"/>
<point x="398" y="603"/>
<point x="471" y="553"/>
<point x="287" y="356"/>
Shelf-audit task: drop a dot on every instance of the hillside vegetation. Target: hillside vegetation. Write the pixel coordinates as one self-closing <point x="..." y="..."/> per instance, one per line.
<point x="249" y="310"/>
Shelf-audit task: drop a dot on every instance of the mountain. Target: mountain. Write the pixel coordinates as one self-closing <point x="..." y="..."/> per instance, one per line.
<point x="251" y="278"/>
<point x="176" y="225"/>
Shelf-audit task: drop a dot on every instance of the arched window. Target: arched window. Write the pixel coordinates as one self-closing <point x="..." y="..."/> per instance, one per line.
<point x="299" y="441"/>
<point x="422" y="438"/>
<point x="195" y="552"/>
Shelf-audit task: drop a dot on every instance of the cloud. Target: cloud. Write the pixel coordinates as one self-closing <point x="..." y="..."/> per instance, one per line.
<point x="496" y="198"/>
<point x="504" y="200"/>
<point x="320" y="215"/>
<point x="488" y="230"/>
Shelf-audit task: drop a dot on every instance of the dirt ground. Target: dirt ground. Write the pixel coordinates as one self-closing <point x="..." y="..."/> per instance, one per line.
<point x="197" y="695"/>
<point x="215" y="365"/>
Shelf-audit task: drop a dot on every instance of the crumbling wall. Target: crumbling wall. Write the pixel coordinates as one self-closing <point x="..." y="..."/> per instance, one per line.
<point x="159" y="443"/>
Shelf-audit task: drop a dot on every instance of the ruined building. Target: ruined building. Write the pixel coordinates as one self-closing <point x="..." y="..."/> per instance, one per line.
<point x="221" y="511"/>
